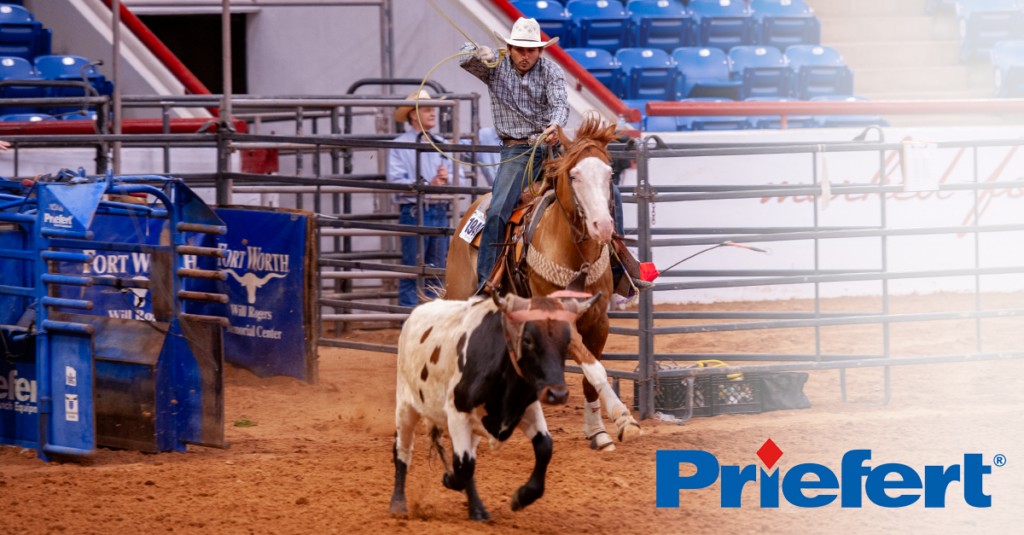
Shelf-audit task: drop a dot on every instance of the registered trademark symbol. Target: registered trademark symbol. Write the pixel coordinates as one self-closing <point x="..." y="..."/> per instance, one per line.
<point x="999" y="460"/>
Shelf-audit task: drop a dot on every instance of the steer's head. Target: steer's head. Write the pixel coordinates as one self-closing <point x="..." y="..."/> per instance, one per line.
<point x="538" y="332"/>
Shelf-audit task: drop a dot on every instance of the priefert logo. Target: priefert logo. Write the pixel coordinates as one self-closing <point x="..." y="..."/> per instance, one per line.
<point x="853" y="472"/>
<point x="57" y="219"/>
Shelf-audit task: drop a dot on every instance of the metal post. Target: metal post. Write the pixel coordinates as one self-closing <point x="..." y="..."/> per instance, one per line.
<point x="419" y="222"/>
<point x="225" y="44"/>
<point x="977" y="257"/>
<point x="167" y="130"/>
<point x="646" y="310"/>
<point x="115" y="7"/>
<point x="455" y="214"/>
<point x="299" y="120"/>
<point x="817" y="252"/>
<point x="339" y="284"/>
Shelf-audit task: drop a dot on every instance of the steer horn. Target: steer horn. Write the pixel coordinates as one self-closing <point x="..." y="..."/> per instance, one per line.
<point x="579" y="308"/>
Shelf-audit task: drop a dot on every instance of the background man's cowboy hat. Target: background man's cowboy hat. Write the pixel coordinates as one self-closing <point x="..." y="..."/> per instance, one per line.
<point x="402" y="114"/>
<point x="526" y="32"/>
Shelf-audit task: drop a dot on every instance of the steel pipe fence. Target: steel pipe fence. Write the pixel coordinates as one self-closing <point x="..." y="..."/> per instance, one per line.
<point x="349" y="304"/>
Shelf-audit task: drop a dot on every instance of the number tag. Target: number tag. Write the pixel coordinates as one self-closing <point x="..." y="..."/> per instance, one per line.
<point x="473" y="227"/>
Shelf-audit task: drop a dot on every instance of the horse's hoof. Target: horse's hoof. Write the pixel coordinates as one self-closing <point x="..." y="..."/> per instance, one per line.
<point x="630" y="431"/>
<point x="398" y="507"/>
<point x="602" y="442"/>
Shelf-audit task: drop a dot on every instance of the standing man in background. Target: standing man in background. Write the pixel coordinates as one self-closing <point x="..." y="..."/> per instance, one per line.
<point x="436" y="171"/>
<point x="528" y="98"/>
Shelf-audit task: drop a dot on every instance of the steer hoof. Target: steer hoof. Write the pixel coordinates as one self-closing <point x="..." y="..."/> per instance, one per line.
<point x="629" y="430"/>
<point x="398" y="507"/>
<point x="451" y="482"/>
<point x="602" y="442"/>
<point x="479" y="515"/>
<point x="524" y="496"/>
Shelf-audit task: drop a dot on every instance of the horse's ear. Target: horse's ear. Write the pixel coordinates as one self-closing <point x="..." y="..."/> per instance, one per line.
<point x="609" y="132"/>
<point x="566" y="142"/>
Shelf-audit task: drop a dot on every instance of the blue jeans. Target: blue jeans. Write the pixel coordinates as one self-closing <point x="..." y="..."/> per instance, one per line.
<point x="505" y="197"/>
<point x="435" y="251"/>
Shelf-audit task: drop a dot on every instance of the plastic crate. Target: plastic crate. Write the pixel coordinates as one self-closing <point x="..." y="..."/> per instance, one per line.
<point x="711" y="395"/>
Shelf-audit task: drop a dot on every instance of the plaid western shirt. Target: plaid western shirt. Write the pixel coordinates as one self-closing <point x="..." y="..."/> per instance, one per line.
<point x="522" y="106"/>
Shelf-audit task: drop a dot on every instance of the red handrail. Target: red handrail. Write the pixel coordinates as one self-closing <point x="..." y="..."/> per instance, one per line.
<point x="160" y="50"/>
<point x="833" y="107"/>
<point x="586" y="79"/>
<point x="128" y="126"/>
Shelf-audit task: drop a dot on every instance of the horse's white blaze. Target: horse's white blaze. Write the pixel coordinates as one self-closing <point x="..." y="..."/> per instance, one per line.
<point x="592" y="185"/>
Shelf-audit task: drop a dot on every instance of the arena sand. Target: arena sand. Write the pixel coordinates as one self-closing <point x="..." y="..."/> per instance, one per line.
<point x="319" y="460"/>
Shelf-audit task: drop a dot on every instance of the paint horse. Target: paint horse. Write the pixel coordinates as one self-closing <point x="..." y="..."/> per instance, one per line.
<point x="575" y="230"/>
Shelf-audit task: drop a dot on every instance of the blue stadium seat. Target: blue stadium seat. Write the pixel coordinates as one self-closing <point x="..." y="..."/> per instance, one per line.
<point x="762" y="69"/>
<point x="25" y="117"/>
<point x="660" y="124"/>
<point x="983" y="23"/>
<point x="819" y="71"/>
<point x="599" y="24"/>
<point x="79" y="117"/>
<point x="602" y="65"/>
<point x="774" y="122"/>
<point x="551" y="16"/>
<point x="1008" y="69"/>
<point x="722" y="23"/>
<point x="637" y="105"/>
<point x="70" y="68"/>
<point x="15" y="68"/>
<point x="704" y="72"/>
<point x="20" y="34"/>
<point x="711" y="122"/>
<point x="783" y="23"/>
<point x="663" y="24"/>
<point x="847" y="121"/>
<point x="650" y="73"/>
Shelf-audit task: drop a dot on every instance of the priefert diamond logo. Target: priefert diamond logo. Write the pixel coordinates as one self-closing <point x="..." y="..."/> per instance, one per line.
<point x="855" y="480"/>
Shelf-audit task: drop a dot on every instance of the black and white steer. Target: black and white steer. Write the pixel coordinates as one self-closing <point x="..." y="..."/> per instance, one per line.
<point x="481" y="368"/>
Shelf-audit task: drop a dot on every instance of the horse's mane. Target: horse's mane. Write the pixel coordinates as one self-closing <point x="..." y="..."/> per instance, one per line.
<point x="590" y="134"/>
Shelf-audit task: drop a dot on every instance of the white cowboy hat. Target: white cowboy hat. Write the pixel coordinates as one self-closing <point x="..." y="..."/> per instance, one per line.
<point x="402" y="114"/>
<point x="526" y="32"/>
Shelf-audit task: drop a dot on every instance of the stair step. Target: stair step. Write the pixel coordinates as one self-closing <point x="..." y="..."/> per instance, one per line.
<point x="892" y="29"/>
<point x="908" y="79"/>
<point x="862" y="8"/>
<point x="900" y="54"/>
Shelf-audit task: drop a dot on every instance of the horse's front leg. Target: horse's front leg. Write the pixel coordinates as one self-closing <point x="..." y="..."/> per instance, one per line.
<point x="536" y="429"/>
<point x="596" y="388"/>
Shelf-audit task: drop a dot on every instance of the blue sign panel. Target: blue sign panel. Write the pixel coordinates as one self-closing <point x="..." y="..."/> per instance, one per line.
<point x="264" y="254"/>
<point x="19" y="394"/>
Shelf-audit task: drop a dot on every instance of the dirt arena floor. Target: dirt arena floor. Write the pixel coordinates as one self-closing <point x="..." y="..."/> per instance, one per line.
<point x="319" y="460"/>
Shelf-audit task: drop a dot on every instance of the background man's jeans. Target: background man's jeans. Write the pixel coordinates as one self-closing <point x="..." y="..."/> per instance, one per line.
<point x="435" y="251"/>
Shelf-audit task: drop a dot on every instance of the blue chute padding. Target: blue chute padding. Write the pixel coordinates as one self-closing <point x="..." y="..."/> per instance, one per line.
<point x="20" y="34"/>
<point x="663" y="24"/>
<point x="774" y="122"/>
<point x="763" y="70"/>
<point x="650" y="73"/>
<point x="602" y="65"/>
<point x="551" y="15"/>
<point x="722" y="23"/>
<point x="25" y="117"/>
<point x="712" y="122"/>
<point x="819" y="71"/>
<point x="783" y="23"/>
<point x="704" y="72"/>
<point x="599" y="24"/>
<point x="1008" y="69"/>
<point x="846" y="121"/>
<point x="983" y="23"/>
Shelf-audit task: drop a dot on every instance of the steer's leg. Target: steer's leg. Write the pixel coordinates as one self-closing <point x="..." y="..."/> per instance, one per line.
<point x="597" y="378"/>
<point x="464" y="444"/>
<point x="406" y="418"/>
<point x="536" y="429"/>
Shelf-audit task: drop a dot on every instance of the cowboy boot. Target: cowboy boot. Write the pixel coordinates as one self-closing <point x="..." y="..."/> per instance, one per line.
<point x="624" y="262"/>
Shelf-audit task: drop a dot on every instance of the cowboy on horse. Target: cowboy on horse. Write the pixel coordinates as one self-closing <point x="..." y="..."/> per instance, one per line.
<point x="568" y="242"/>
<point x="528" y="100"/>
